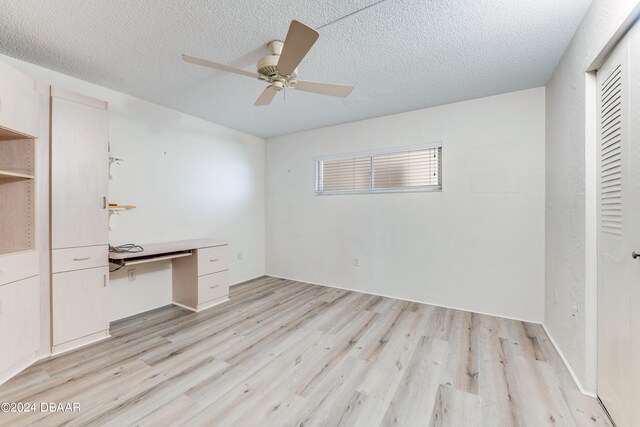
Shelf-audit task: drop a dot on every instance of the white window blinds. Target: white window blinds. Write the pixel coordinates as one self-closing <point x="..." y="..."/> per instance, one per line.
<point x="415" y="168"/>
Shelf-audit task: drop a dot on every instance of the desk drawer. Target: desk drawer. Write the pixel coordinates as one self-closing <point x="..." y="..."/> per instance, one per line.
<point x="18" y="266"/>
<point x="213" y="286"/>
<point x="72" y="259"/>
<point x="212" y="260"/>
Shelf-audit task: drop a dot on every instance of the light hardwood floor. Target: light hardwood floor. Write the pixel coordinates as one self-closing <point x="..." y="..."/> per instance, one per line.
<point x="284" y="353"/>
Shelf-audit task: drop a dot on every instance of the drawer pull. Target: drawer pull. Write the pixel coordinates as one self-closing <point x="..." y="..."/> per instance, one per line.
<point x="82" y="259"/>
<point x="213" y="260"/>
<point x="213" y="287"/>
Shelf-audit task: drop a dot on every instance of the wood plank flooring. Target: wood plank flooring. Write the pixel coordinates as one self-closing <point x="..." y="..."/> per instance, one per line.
<point x="284" y="353"/>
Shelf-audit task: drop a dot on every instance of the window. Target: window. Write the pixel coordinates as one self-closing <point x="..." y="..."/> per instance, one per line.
<point x="415" y="168"/>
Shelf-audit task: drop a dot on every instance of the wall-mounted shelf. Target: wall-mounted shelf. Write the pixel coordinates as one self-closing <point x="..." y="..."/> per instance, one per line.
<point x="113" y="160"/>
<point x="14" y="175"/>
<point x="121" y="207"/>
<point x="116" y="209"/>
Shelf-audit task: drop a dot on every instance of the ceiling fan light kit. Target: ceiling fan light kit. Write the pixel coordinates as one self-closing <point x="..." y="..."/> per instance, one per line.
<point x="280" y="67"/>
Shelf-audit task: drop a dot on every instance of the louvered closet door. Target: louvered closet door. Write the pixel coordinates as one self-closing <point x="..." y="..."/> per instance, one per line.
<point x="618" y="214"/>
<point x="634" y="282"/>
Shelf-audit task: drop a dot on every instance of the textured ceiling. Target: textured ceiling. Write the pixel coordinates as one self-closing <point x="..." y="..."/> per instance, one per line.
<point x="399" y="54"/>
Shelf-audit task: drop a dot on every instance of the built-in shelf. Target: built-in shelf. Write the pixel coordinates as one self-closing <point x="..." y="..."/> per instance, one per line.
<point x="8" y="134"/>
<point x="17" y="191"/>
<point x="14" y="175"/>
<point x="5" y="251"/>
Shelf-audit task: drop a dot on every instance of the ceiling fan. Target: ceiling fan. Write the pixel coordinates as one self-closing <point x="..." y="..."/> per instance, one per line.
<point x="280" y="68"/>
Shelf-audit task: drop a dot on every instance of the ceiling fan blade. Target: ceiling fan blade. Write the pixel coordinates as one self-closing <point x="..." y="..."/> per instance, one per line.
<point x="266" y="96"/>
<point x="299" y="40"/>
<point x="205" y="63"/>
<point x="324" y="88"/>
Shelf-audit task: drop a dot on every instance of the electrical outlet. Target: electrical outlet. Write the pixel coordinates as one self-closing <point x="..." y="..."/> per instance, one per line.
<point x="240" y="254"/>
<point x="356" y="262"/>
<point x="574" y="314"/>
<point x="132" y="275"/>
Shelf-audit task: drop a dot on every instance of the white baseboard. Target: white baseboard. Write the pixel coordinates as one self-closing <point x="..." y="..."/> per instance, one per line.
<point x="409" y="300"/>
<point x="17" y="368"/>
<point x="202" y="307"/>
<point x="564" y="359"/>
<point x="566" y="363"/>
<point x="79" y="342"/>
<point x="250" y="280"/>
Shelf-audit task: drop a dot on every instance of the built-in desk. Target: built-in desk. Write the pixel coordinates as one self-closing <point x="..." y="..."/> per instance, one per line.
<point x="200" y="269"/>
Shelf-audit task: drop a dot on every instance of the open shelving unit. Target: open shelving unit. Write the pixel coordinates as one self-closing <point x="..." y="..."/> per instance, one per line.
<point x="17" y="192"/>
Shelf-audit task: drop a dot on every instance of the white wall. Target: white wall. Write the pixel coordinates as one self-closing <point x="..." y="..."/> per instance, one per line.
<point x="478" y="245"/>
<point x="188" y="177"/>
<point x="570" y="191"/>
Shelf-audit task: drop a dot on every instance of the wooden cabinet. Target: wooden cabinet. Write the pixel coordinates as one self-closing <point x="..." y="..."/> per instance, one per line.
<point x="79" y="171"/>
<point x="19" y="262"/>
<point x="79" y="298"/>
<point x="18" y="266"/>
<point x="19" y="325"/>
<point x="79" y="220"/>
<point x="201" y="281"/>
<point x="18" y="102"/>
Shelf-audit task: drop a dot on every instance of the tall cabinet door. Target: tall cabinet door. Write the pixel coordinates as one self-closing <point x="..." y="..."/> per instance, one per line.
<point x="79" y="170"/>
<point x="79" y="220"/>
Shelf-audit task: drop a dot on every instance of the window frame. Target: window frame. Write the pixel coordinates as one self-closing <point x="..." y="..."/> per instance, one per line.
<point x="318" y="177"/>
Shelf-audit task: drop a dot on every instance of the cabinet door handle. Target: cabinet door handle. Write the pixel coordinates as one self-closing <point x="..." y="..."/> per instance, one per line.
<point x="82" y="259"/>
<point x="104" y="202"/>
<point x="213" y="287"/>
<point x="104" y="281"/>
<point x="213" y="260"/>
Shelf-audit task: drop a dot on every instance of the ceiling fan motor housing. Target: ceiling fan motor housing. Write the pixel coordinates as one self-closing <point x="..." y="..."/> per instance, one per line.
<point x="268" y="66"/>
